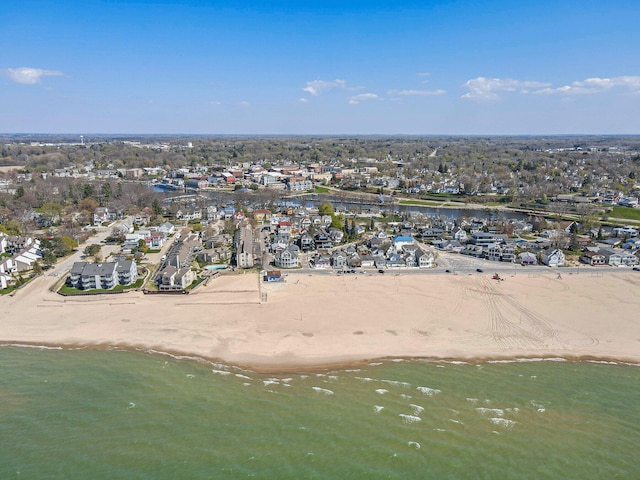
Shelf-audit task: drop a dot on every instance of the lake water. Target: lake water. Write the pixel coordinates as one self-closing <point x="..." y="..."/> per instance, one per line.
<point x="132" y="415"/>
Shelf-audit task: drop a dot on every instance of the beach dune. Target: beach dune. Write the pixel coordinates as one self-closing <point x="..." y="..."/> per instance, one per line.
<point x="313" y="321"/>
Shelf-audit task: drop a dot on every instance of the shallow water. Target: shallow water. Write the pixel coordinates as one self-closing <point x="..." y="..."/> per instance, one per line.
<point x="116" y="414"/>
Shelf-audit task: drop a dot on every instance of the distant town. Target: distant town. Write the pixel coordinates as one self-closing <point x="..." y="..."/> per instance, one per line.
<point x="166" y="214"/>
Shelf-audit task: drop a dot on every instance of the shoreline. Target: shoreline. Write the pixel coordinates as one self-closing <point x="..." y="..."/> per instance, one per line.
<point x="329" y="366"/>
<point x="322" y="322"/>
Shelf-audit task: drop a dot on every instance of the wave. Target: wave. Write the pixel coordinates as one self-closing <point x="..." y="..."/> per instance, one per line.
<point x="429" y="391"/>
<point x="326" y="391"/>
<point x="409" y="418"/>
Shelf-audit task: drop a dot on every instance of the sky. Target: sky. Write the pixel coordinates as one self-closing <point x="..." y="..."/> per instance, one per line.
<point x="509" y="67"/>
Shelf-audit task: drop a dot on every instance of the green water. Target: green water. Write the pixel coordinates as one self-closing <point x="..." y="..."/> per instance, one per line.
<point x="127" y="415"/>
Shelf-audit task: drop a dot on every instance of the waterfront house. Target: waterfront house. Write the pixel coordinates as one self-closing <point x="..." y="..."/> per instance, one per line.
<point x="593" y="258"/>
<point x="367" y="261"/>
<point x="553" y="257"/>
<point x="5" y="280"/>
<point x="527" y="258"/>
<point x="89" y="275"/>
<point x="338" y="259"/>
<point x="174" y="278"/>
<point x="424" y="259"/>
<point x="321" y="261"/>
<point x="629" y="259"/>
<point x="395" y="260"/>
<point x="288" y="257"/>
<point x="354" y="261"/>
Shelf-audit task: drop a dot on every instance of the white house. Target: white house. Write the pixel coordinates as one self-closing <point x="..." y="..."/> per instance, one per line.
<point x="424" y="259"/>
<point x="4" y="280"/>
<point x="625" y="232"/>
<point x="167" y="228"/>
<point x="554" y="257"/>
<point x="287" y="258"/>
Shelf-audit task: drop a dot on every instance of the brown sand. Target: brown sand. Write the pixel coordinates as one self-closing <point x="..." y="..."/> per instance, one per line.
<point x="323" y="320"/>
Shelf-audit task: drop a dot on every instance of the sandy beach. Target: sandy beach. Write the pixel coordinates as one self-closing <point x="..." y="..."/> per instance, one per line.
<point x="312" y="321"/>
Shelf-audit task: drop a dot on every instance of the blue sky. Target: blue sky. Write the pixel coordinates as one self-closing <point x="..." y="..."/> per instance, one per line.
<point x="323" y="67"/>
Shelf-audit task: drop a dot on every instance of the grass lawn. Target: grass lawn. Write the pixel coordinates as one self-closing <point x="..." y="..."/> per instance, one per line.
<point x="8" y="290"/>
<point x="420" y="202"/>
<point x="65" y="290"/>
<point x="321" y="190"/>
<point x="625" y="212"/>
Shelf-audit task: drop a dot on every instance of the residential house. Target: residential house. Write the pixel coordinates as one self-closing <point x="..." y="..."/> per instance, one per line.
<point x="321" y="261"/>
<point x="8" y="265"/>
<point x="482" y="239"/>
<point x="395" y="260"/>
<point x="306" y="242"/>
<point x="174" y="278"/>
<point x="593" y="258"/>
<point x="508" y="253"/>
<point x="424" y="258"/>
<point x="189" y="214"/>
<point x="26" y="259"/>
<point x="402" y="240"/>
<point x="336" y="235"/>
<point x="527" y="258"/>
<point x="493" y="252"/>
<point x="367" y="261"/>
<point x="553" y="257"/>
<point x="262" y="215"/>
<point x="103" y="215"/>
<point x="287" y="258"/>
<point x="338" y="259"/>
<point x="625" y="232"/>
<point x="473" y="250"/>
<point x="379" y="261"/>
<point x="612" y="258"/>
<point x="142" y="219"/>
<point x="5" y="280"/>
<point x="299" y="184"/>
<point x="460" y="234"/>
<point x="629" y="259"/>
<point x="244" y="246"/>
<point x="354" y="261"/>
<point x="323" y="240"/>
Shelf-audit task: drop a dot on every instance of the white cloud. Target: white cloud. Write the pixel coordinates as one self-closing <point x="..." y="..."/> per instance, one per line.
<point x="303" y="100"/>
<point x="315" y="87"/>
<point x="244" y="103"/>
<point x="356" y="99"/>
<point x="29" y="76"/>
<point x="595" y="85"/>
<point x="416" y="92"/>
<point x="488" y="88"/>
